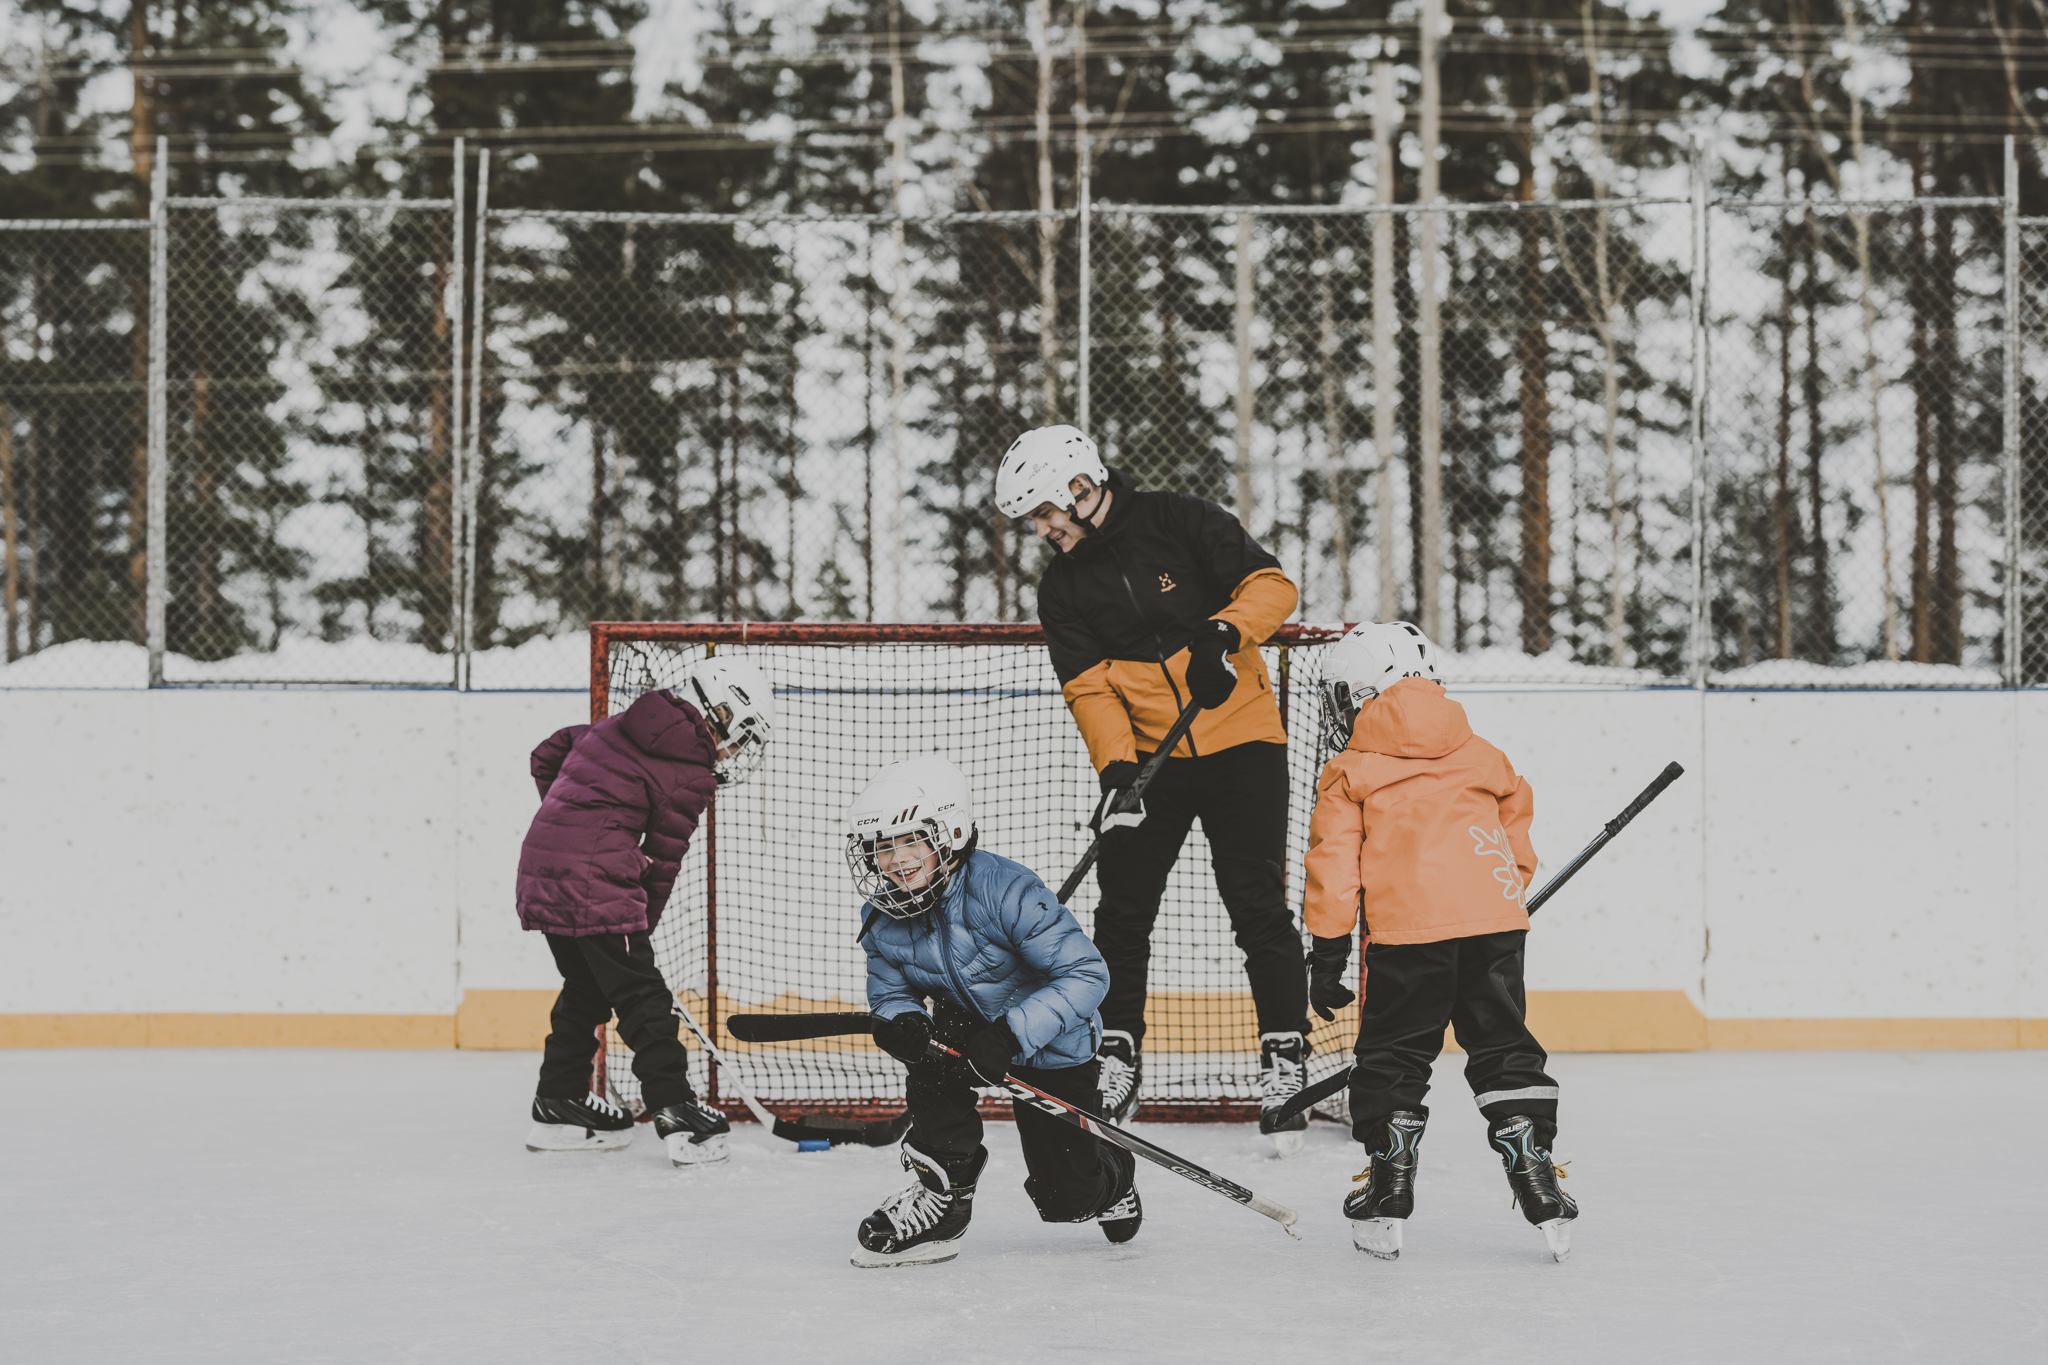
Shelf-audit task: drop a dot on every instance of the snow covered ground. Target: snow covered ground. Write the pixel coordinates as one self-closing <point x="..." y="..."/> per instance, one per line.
<point x="368" y="1206"/>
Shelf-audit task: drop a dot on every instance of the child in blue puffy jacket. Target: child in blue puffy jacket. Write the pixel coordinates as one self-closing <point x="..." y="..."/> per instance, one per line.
<point x="1013" y="985"/>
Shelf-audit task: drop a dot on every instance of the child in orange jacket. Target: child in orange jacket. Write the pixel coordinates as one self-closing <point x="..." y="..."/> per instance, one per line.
<point x="1424" y="827"/>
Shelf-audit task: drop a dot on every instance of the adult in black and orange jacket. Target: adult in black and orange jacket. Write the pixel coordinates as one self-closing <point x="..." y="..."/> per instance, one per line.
<point x="1157" y="581"/>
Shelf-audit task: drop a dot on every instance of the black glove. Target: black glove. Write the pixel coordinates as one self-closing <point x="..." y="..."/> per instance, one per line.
<point x="1328" y="963"/>
<point x="1211" y="679"/>
<point x="1117" y="776"/>
<point x="907" y="1037"/>
<point x="989" y="1052"/>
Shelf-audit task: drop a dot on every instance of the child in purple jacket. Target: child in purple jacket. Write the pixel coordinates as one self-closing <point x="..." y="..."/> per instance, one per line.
<point x="619" y="801"/>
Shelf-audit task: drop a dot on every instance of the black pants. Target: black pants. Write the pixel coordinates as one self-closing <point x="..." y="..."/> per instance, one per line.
<point x="601" y="974"/>
<point x="1071" y="1176"/>
<point x="1240" y="796"/>
<point x="1473" y="984"/>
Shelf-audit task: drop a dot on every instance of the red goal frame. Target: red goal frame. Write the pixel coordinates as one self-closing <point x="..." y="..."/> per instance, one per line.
<point x="604" y="633"/>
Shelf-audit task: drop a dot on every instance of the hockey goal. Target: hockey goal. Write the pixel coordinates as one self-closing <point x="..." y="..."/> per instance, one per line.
<point x="764" y="914"/>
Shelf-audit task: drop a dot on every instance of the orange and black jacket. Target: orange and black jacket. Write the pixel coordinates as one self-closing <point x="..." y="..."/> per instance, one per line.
<point x="1120" y="608"/>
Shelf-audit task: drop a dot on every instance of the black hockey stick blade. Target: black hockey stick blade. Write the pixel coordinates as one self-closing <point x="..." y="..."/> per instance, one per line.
<point x="789" y="1028"/>
<point x="1133" y="794"/>
<point x="1137" y="1146"/>
<point x="1311" y="1095"/>
<point x="839" y="1131"/>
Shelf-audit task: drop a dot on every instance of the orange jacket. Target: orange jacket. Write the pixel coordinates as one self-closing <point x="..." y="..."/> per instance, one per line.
<point x="1126" y="706"/>
<point x="1421" y="824"/>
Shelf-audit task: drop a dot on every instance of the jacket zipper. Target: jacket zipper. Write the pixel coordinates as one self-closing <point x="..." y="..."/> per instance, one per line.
<point x="1158" y="648"/>
<point x="946" y="960"/>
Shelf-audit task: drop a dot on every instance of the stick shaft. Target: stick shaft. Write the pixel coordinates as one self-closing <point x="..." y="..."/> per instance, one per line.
<point x="1131" y="1142"/>
<point x="761" y="1115"/>
<point x="1132" y="794"/>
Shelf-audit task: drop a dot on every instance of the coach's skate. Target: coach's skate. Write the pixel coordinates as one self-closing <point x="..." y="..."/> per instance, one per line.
<point x="694" y="1133"/>
<point x="1533" y="1177"/>
<point x="922" y="1225"/>
<point x="588" y="1123"/>
<point x="1123" y="1069"/>
<point x="1386" y="1187"/>
<point x="1282" y="1057"/>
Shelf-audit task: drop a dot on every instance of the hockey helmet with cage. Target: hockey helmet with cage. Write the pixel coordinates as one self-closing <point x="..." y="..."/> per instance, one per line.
<point x="736" y="701"/>
<point x="1040" y="467"/>
<point x="907" y="832"/>
<point x="1368" y="659"/>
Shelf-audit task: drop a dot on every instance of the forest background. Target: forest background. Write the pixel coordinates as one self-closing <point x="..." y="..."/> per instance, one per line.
<point x="1481" y="420"/>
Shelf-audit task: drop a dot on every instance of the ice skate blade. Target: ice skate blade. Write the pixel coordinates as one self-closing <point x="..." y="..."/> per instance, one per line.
<point x="1558" y="1232"/>
<point x="1379" y="1237"/>
<point x="1287" y="1144"/>
<point x="927" y="1253"/>
<point x="550" y="1138"/>
<point x="683" y="1152"/>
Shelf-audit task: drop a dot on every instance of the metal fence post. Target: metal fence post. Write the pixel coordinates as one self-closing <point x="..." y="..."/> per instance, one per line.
<point x="474" y="463"/>
<point x="1242" y="333"/>
<point x="457" y="450"/>
<point x="1701" y="367"/>
<point x="2014" y="646"/>
<point x="157" y="591"/>
<point x="1085" y="174"/>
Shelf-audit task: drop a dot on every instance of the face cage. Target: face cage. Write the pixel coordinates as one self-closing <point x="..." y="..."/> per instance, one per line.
<point x="892" y="900"/>
<point x="1340" y="713"/>
<point x="745" y="754"/>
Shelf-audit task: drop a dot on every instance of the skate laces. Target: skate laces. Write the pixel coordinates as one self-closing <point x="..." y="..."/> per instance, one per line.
<point x="911" y="1211"/>
<point x="1281" y="1080"/>
<point x="603" y="1105"/>
<point x="1116" y="1076"/>
<point x="1122" y="1208"/>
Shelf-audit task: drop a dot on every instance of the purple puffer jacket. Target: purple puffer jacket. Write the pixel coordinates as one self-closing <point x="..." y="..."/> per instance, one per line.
<point x="584" y="868"/>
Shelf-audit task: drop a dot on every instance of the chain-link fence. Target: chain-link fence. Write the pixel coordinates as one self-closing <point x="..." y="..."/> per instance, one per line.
<point x="74" y="455"/>
<point x="1736" y="443"/>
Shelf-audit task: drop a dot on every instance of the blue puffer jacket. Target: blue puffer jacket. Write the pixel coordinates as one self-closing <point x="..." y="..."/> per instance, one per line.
<point x="1002" y="947"/>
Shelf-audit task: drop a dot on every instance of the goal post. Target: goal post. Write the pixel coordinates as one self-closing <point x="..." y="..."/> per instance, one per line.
<point x="764" y="915"/>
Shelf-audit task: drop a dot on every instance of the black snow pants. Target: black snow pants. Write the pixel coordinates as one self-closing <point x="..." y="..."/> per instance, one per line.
<point x="1240" y="796"/>
<point x="1071" y="1176"/>
<point x="1412" y="990"/>
<point x="603" y="974"/>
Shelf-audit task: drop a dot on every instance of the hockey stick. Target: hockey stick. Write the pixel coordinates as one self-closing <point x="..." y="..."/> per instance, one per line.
<point x="805" y="1127"/>
<point x="1131" y="795"/>
<point x="1312" y="1095"/>
<point x="786" y="1027"/>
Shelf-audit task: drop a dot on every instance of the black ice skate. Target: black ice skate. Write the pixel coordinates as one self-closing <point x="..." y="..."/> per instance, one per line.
<point x="1123" y="1069"/>
<point x="1533" y="1176"/>
<point x="1281" y="1059"/>
<point x="1120" y="1221"/>
<point x="924" y="1224"/>
<point x="1386" y="1193"/>
<point x="587" y="1123"/>
<point x="694" y="1133"/>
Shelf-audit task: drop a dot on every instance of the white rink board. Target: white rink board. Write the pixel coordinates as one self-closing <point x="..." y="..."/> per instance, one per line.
<point x="1827" y="854"/>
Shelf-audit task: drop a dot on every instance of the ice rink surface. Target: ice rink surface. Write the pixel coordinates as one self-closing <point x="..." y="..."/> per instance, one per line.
<point x="378" y="1206"/>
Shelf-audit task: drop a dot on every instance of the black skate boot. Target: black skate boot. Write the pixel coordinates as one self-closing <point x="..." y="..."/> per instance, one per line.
<point x="1281" y="1059"/>
<point x="1123" y="1070"/>
<point x="588" y="1123"/>
<point x="924" y="1224"/>
<point x="1120" y="1221"/>
<point x="694" y="1133"/>
<point x="1533" y="1176"/>
<point x="1386" y="1193"/>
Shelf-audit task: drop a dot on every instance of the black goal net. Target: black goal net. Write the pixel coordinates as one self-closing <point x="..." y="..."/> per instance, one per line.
<point x="764" y="914"/>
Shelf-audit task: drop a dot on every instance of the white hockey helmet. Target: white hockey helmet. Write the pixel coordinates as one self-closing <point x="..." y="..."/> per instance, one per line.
<point x="906" y="833"/>
<point x="1368" y="659"/>
<point x="736" y="701"/>
<point x="1040" y="465"/>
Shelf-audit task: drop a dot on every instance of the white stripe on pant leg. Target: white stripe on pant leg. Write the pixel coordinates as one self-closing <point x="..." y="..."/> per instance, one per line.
<point x="1533" y="1092"/>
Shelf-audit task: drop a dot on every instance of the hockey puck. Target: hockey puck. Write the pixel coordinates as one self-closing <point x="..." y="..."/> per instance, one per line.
<point x="814" y="1145"/>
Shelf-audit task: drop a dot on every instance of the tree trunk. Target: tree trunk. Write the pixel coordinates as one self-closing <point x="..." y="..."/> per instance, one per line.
<point x="1921" y="588"/>
<point x="9" y="532"/>
<point x="1784" y="513"/>
<point x="1947" y="625"/>
<point x="1820" y="592"/>
<point x="1533" y="580"/>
